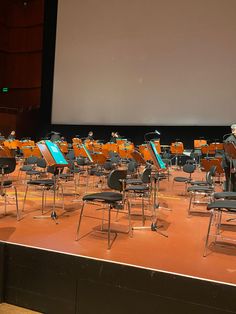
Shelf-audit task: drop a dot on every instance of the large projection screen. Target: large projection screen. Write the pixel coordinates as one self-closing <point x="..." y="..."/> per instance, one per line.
<point x="145" y="62"/>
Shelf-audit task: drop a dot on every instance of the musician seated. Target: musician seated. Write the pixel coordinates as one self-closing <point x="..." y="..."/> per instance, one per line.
<point x="113" y="137"/>
<point x="90" y="136"/>
<point x="55" y="136"/>
<point x="12" y="136"/>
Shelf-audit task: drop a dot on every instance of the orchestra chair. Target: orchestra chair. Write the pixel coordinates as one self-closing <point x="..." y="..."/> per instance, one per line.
<point x="140" y="187"/>
<point x="49" y="184"/>
<point x="113" y="201"/>
<point x="217" y="209"/>
<point x="225" y="196"/>
<point x="132" y="168"/>
<point x="188" y="168"/>
<point x="204" y="189"/>
<point x="29" y="164"/>
<point x="39" y="170"/>
<point x="7" y="166"/>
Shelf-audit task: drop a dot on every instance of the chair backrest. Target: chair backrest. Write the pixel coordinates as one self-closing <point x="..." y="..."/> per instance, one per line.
<point x="189" y="168"/>
<point x="41" y="163"/>
<point x="209" y="178"/>
<point x="7" y="165"/>
<point x="213" y="170"/>
<point x="31" y="160"/>
<point x="210" y="174"/>
<point x="114" y="180"/>
<point x="132" y="166"/>
<point x="146" y="175"/>
<point x="70" y="155"/>
<point x="108" y="165"/>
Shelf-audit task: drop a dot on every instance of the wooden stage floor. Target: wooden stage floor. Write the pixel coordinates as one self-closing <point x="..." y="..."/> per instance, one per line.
<point x="181" y="252"/>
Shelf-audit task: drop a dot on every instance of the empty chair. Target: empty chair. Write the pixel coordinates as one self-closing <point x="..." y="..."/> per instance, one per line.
<point x="47" y="184"/>
<point x="217" y="209"/>
<point x="188" y="168"/>
<point x="40" y="169"/>
<point x="140" y="187"/>
<point x="112" y="199"/>
<point x="29" y="164"/>
<point x="201" y="188"/>
<point x="7" y="166"/>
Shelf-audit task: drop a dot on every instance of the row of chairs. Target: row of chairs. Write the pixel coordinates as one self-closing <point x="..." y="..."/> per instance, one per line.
<point x="218" y="203"/>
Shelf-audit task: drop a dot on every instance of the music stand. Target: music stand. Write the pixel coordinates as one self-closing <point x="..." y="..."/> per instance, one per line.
<point x="138" y="157"/>
<point x="160" y="166"/>
<point x="230" y="150"/>
<point x="54" y="158"/>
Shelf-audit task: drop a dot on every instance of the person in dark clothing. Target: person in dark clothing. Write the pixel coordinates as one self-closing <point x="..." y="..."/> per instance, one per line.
<point x="90" y="136"/>
<point x="113" y="137"/>
<point x="12" y="135"/>
<point x="55" y="136"/>
<point x="230" y="168"/>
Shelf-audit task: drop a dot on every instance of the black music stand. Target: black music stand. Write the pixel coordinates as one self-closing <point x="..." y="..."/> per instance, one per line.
<point x="54" y="158"/>
<point x="230" y="150"/>
<point x="160" y="166"/>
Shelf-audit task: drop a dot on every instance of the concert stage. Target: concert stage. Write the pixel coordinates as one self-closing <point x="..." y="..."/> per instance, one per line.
<point x="45" y="269"/>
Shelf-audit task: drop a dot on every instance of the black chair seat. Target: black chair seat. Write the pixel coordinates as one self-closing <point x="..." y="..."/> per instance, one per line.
<point x="66" y="176"/>
<point x="196" y="188"/>
<point x="182" y="179"/>
<point x="7" y="183"/>
<point x="47" y="182"/>
<point x="203" y="183"/>
<point x="26" y="168"/>
<point x="160" y="176"/>
<point x="134" y="181"/>
<point x="77" y="170"/>
<point x="227" y="195"/>
<point x="227" y="204"/>
<point x="33" y="172"/>
<point x="108" y="197"/>
<point x="137" y="188"/>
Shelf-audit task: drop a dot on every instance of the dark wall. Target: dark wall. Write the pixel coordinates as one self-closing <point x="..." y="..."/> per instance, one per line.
<point x="21" y="29"/>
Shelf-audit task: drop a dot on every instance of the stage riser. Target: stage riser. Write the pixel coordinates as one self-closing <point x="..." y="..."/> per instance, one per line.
<point x="57" y="283"/>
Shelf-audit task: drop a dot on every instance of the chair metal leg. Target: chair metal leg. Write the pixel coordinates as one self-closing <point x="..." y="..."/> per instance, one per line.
<point x="17" y="207"/>
<point x="208" y="232"/>
<point x="26" y="190"/>
<point x="43" y="199"/>
<point x="80" y="218"/>
<point x="143" y="214"/>
<point x="190" y="204"/>
<point x="5" y="202"/>
<point x="129" y="218"/>
<point x="109" y="227"/>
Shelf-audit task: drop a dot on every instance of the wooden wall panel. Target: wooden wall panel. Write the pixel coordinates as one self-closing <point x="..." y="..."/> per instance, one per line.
<point x="21" y="33"/>
<point x="20" y="99"/>
<point x="25" y="15"/>
<point x="25" y="39"/>
<point x="23" y="70"/>
<point x="8" y="123"/>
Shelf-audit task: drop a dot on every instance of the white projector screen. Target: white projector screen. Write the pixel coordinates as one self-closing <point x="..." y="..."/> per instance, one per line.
<point x="145" y="62"/>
